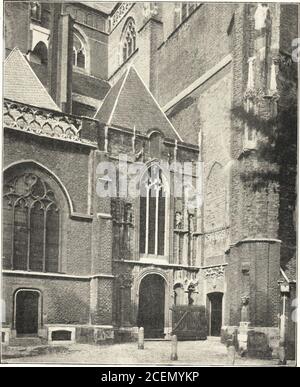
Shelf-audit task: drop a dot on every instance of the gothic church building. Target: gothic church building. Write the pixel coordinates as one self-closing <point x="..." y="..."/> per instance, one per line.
<point x="158" y="82"/>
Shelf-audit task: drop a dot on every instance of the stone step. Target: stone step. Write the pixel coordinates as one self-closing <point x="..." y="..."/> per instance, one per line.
<point x="26" y="341"/>
<point x="214" y="338"/>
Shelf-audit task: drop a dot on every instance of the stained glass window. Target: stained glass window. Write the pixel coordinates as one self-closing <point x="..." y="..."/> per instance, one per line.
<point x="152" y="212"/>
<point x="31" y="225"/>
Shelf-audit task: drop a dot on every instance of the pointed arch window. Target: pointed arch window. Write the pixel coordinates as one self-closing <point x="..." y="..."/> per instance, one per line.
<point x="79" y="53"/>
<point x="31" y="225"/>
<point x="128" y="39"/>
<point x="152" y="212"/>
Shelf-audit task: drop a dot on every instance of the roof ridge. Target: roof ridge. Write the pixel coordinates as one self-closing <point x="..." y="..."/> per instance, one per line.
<point x="129" y="102"/>
<point x="8" y="56"/>
<point x="117" y="98"/>
<point x="107" y="95"/>
<point x="154" y="99"/>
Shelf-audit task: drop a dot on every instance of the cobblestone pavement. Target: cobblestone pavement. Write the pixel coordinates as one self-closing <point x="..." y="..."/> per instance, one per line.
<point x="209" y="352"/>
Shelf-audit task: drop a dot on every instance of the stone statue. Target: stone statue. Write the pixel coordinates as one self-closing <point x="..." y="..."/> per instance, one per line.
<point x="245" y="309"/>
<point x="128" y="213"/>
<point x="260" y="16"/>
<point x="191" y="223"/>
<point x="178" y="220"/>
<point x="191" y="290"/>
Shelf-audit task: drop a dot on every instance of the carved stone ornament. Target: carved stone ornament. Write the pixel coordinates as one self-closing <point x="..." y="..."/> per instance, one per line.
<point x="256" y="95"/>
<point x="125" y="280"/>
<point x="245" y="308"/>
<point x="245" y="300"/>
<point x="41" y="122"/>
<point x="260" y="16"/>
<point x="150" y="10"/>
<point x="119" y="13"/>
<point x="190" y="285"/>
<point x="213" y="274"/>
<point x="178" y="220"/>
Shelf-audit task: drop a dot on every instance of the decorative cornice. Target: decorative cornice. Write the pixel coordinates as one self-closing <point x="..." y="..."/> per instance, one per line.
<point x="158" y="264"/>
<point x="118" y="14"/>
<point x="42" y="122"/>
<point x="252" y="240"/>
<point x="258" y="95"/>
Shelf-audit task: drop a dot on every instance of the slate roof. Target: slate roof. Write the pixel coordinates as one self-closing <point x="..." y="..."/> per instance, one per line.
<point x="22" y="85"/>
<point x="129" y="104"/>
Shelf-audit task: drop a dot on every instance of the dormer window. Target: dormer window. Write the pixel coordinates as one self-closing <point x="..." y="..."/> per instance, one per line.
<point x="128" y="39"/>
<point x="35" y="10"/>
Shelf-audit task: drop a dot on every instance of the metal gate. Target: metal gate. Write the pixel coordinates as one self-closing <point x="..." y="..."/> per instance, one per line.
<point x="189" y="322"/>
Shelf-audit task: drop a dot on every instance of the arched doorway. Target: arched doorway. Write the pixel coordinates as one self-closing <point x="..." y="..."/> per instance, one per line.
<point x="151" y="310"/>
<point x="215" y="305"/>
<point x="27" y="312"/>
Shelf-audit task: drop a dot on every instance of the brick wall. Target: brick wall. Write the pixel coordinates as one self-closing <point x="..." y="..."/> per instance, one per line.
<point x="16" y="27"/>
<point x="203" y="111"/>
<point x="55" y="157"/>
<point x="69" y="162"/>
<point x="97" y="44"/>
<point x="198" y="44"/>
<point x="253" y="270"/>
<point x="287" y="81"/>
<point x="256" y="204"/>
<point x="64" y="301"/>
<point x="114" y="47"/>
<point x="288" y="25"/>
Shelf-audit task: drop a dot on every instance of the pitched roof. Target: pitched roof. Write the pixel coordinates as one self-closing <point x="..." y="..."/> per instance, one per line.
<point x="129" y="104"/>
<point x="22" y="85"/>
<point x="290" y="269"/>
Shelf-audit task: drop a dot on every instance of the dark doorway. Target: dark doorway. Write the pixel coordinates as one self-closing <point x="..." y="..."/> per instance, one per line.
<point x="27" y="312"/>
<point x="215" y="315"/>
<point x="151" y="314"/>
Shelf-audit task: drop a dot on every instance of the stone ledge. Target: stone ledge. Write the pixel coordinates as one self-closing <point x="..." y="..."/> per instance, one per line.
<point x="252" y="240"/>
